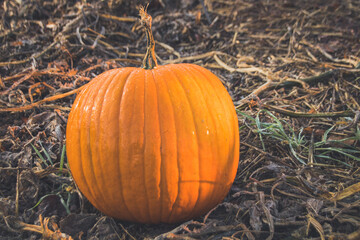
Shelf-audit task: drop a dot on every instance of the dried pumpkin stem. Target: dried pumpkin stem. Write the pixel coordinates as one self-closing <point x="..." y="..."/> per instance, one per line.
<point x="149" y="61"/>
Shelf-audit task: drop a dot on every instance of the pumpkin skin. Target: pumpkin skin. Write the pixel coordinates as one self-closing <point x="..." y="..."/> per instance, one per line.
<point x="154" y="145"/>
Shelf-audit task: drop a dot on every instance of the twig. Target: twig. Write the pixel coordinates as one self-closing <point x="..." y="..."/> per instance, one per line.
<point x="309" y="115"/>
<point x="53" y="106"/>
<point x="309" y="80"/>
<point x="241" y="70"/>
<point x="262" y="88"/>
<point x="120" y="19"/>
<point x="21" y="80"/>
<point x="196" y="57"/>
<point x="311" y="150"/>
<point x="268" y="215"/>
<point x="177" y="229"/>
<point x="57" y="39"/>
<point x="255" y="93"/>
<point x="107" y="45"/>
<point x="99" y="35"/>
<point x="132" y="61"/>
<point x="245" y="230"/>
<point x="17" y="193"/>
<point x="271" y="85"/>
<point x="354" y="235"/>
<point x="168" y="48"/>
<point x="207" y="15"/>
<point x="49" y="99"/>
<point x="2" y="64"/>
<point x="124" y="229"/>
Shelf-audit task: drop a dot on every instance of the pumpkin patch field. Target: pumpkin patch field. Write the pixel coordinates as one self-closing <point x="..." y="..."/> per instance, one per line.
<point x="188" y="119"/>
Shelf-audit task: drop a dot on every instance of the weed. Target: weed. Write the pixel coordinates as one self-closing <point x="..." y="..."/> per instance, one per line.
<point x="299" y="146"/>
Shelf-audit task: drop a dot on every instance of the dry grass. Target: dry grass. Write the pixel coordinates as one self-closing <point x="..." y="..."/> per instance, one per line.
<point x="291" y="67"/>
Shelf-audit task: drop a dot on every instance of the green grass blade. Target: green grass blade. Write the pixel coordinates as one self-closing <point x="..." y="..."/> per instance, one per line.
<point x="331" y="158"/>
<point x="342" y="151"/>
<point x="46" y="154"/>
<point x="64" y="203"/>
<point x="39" y="154"/>
<point x="62" y="158"/>
<point x="40" y="200"/>
<point x="325" y="136"/>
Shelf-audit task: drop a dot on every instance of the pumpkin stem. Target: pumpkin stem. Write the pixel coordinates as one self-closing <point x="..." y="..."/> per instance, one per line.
<point x="149" y="61"/>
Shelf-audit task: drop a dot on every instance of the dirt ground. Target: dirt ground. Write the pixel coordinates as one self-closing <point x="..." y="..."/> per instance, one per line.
<point x="291" y="67"/>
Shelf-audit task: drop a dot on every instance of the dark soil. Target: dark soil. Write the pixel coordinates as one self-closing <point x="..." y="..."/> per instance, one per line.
<point x="291" y="67"/>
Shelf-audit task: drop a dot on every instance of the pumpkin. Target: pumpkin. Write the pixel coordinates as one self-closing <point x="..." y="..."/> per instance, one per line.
<point x="153" y="144"/>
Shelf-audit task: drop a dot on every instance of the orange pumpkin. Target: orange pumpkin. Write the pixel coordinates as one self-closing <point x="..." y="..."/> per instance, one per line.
<point x="153" y="145"/>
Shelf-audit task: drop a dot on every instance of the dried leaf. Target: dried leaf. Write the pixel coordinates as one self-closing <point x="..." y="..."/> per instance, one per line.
<point x="354" y="235"/>
<point x="72" y="72"/>
<point x="76" y="223"/>
<point x="355" y="188"/>
<point x="255" y="221"/>
<point x="44" y="229"/>
<point x="312" y="221"/>
<point x="315" y="204"/>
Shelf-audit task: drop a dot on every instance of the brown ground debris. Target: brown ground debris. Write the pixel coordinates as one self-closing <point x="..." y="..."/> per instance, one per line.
<point x="291" y="67"/>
